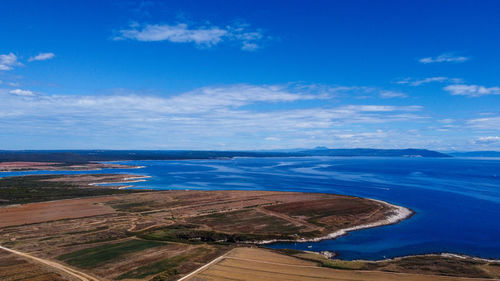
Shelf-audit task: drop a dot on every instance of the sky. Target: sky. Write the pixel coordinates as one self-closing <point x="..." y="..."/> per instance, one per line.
<point x="248" y="75"/>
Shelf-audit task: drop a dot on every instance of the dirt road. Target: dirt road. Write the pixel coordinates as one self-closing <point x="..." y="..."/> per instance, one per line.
<point x="59" y="267"/>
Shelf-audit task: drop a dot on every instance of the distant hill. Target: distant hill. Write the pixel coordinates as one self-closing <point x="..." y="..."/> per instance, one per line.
<point x="476" y="154"/>
<point x="410" y="152"/>
<point x="84" y="156"/>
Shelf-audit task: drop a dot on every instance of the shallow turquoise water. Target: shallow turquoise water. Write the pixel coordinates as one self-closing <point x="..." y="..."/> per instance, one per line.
<point x="457" y="200"/>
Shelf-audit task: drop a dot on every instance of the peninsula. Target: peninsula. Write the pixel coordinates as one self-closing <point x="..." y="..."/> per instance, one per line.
<point x="105" y="233"/>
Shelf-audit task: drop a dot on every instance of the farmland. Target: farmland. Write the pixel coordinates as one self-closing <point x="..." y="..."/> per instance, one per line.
<point x="164" y="235"/>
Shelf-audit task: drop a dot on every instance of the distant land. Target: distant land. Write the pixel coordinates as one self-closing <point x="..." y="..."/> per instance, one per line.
<point x="85" y="156"/>
<point x="409" y="152"/>
<point x="475" y="154"/>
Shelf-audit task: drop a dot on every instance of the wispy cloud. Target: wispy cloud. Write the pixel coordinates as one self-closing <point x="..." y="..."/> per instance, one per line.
<point x="197" y="118"/>
<point x="446" y="121"/>
<point x="204" y="35"/>
<point x="8" y="61"/>
<point x="486" y="123"/>
<point x="20" y="92"/>
<point x="392" y="94"/>
<point x="446" y="57"/>
<point x="487" y="140"/>
<point x="42" y="56"/>
<point x="437" y="79"/>
<point x="382" y="108"/>
<point x="471" y="90"/>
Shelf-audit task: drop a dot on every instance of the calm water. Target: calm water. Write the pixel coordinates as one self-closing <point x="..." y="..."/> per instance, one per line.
<point x="457" y="200"/>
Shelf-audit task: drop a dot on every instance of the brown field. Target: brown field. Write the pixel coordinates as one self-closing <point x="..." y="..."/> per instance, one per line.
<point x="14" y="268"/>
<point x="54" y="166"/>
<point x="55" y="210"/>
<point x="168" y="234"/>
<point x="116" y="237"/>
<point x="264" y="265"/>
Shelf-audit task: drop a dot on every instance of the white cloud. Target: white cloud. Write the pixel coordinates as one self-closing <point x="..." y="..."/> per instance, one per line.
<point x="471" y="90"/>
<point x="487" y="140"/>
<point x="175" y="33"/>
<point x="238" y="116"/>
<point x="363" y="135"/>
<point x="487" y="123"/>
<point x="392" y="94"/>
<point x="446" y="121"/>
<point x="210" y="98"/>
<point x="201" y="35"/>
<point x="8" y="61"/>
<point x="249" y="46"/>
<point x="382" y="108"/>
<point x="42" y="56"/>
<point x="220" y="108"/>
<point x="446" y="57"/>
<point x="438" y="79"/>
<point x="19" y="92"/>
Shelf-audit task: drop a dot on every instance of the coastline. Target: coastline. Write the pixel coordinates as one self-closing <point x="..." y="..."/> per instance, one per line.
<point x="21" y="166"/>
<point x="124" y="180"/>
<point x="400" y="213"/>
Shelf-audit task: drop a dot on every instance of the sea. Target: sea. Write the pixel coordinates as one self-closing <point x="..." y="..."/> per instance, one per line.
<point x="456" y="200"/>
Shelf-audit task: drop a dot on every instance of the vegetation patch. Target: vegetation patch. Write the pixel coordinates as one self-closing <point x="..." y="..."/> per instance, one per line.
<point x="191" y="234"/>
<point x="413" y="264"/>
<point x="437" y="265"/>
<point x="29" y="189"/>
<point x="247" y="221"/>
<point x="134" y="206"/>
<point x="91" y="257"/>
<point x="167" y="267"/>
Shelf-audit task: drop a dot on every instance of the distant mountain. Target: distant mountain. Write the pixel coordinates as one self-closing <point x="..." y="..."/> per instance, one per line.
<point x="84" y="156"/>
<point x="374" y="152"/>
<point x="476" y="154"/>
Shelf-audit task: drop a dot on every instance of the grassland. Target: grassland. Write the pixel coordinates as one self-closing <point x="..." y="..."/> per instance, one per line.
<point x="95" y="256"/>
<point x="28" y="189"/>
<point x="56" y="166"/>
<point x="167" y="267"/>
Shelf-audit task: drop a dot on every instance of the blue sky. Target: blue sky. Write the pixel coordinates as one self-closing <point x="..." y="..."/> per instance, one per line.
<point x="249" y="74"/>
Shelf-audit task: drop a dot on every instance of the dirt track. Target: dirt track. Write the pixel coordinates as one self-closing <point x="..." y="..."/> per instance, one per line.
<point x="59" y="267"/>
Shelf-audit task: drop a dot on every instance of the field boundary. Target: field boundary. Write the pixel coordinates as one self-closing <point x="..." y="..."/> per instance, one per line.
<point x="59" y="267"/>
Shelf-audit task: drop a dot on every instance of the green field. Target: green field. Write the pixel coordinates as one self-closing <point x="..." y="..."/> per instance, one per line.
<point x="95" y="256"/>
<point x="168" y="267"/>
<point x="191" y="234"/>
<point x="28" y="189"/>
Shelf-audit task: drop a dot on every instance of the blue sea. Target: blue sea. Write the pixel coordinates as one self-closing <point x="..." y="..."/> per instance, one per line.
<point x="456" y="200"/>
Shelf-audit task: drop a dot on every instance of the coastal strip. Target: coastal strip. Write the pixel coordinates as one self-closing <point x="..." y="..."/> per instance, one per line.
<point x="123" y="181"/>
<point x="398" y="214"/>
